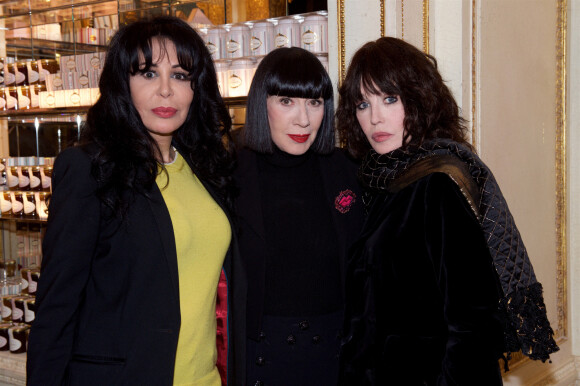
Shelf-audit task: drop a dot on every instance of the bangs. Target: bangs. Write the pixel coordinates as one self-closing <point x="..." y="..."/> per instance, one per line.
<point x="377" y="83"/>
<point x="371" y="69"/>
<point x="298" y="83"/>
<point x="141" y="51"/>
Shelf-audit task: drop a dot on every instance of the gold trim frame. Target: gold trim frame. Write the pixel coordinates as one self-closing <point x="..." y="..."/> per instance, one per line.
<point x="474" y="73"/>
<point x="561" y="171"/>
<point x="426" y="26"/>
<point x="341" y="41"/>
<point x="382" y="4"/>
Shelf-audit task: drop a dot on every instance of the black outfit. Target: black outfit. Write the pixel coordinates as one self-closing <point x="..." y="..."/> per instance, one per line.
<point x="108" y="298"/>
<point x="425" y="303"/>
<point x="298" y="215"/>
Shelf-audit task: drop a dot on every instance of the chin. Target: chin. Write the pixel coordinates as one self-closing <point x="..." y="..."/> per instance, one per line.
<point x="295" y="149"/>
<point x="297" y="152"/>
<point x="384" y="149"/>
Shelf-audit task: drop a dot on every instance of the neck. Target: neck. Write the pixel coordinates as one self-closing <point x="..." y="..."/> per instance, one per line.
<point x="166" y="151"/>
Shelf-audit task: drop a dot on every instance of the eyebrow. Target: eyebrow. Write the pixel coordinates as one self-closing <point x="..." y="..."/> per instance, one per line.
<point x="155" y="65"/>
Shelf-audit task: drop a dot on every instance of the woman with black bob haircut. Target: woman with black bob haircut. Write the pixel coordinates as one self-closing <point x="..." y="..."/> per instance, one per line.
<point x="439" y="285"/>
<point x="280" y="77"/>
<point x="139" y="245"/>
<point x="299" y="210"/>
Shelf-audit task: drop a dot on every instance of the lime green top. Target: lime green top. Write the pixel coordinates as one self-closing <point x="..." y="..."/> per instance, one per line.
<point x="202" y="237"/>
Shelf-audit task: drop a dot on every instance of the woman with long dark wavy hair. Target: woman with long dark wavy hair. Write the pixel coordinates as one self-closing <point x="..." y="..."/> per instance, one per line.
<point x="139" y="246"/>
<point x="439" y="285"/>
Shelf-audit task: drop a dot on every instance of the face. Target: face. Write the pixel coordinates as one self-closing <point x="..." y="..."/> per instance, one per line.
<point x="163" y="94"/>
<point x="294" y="122"/>
<point x="381" y="119"/>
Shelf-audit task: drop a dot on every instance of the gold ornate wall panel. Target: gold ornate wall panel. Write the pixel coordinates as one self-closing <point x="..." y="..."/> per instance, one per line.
<point x="257" y="9"/>
<point x="277" y="8"/>
<point x="522" y="79"/>
<point x="413" y="17"/>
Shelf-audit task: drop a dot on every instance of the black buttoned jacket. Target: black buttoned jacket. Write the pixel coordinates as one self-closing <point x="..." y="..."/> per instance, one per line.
<point x="338" y="175"/>
<point x="108" y="297"/>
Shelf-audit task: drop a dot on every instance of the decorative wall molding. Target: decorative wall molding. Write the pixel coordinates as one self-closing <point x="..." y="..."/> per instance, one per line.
<point x="341" y="42"/>
<point x="474" y="75"/>
<point x="561" y="170"/>
<point x="426" y="26"/>
<point x="382" y="5"/>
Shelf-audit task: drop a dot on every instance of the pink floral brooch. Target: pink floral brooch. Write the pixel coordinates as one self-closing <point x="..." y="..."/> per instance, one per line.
<point x="344" y="200"/>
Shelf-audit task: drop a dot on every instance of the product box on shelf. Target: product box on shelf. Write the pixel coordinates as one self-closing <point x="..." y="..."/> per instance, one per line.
<point x="238" y="41"/>
<point x="51" y="99"/>
<point x="262" y="38"/>
<point x="237" y="49"/>
<point x="70" y="63"/>
<point x="240" y="74"/>
<point x="215" y="41"/>
<point x="54" y="82"/>
<point x="287" y="33"/>
<point x="47" y="32"/>
<point x="47" y="66"/>
<point x="314" y="31"/>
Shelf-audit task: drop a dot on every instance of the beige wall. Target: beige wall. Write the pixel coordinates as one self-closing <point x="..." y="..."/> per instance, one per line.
<point x="500" y="59"/>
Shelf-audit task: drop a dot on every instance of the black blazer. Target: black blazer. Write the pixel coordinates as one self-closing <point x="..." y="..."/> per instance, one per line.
<point x="108" y="299"/>
<point x="339" y="175"/>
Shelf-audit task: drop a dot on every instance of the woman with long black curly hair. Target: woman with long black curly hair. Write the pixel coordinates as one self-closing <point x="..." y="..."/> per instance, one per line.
<point x="139" y="244"/>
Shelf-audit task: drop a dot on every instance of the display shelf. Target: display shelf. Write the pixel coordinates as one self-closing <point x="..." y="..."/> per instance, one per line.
<point x="23" y="114"/>
<point x="26" y="48"/>
<point x="23" y="220"/>
<point x="14" y="15"/>
<point x="231" y="102"/>
<point x="55" y="11"/>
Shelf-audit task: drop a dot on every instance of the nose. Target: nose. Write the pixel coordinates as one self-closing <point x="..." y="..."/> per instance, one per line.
<point x="303" y="117"/>
<point x="165" y="89"/>
<point x="376" y="116"/>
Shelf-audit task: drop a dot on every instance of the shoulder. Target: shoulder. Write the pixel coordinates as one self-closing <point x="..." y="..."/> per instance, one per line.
<point x="339" y="160"/>
<point x="438" y="181"/>
<point x="244" y="155"/>
<point x="245" y="162"/>
<point x="341" y="155"/>
<point x="444" y="171"/>
<point x="75" y="157"/>
<point x="74" y="163"/>
<point x="442" y="190"/>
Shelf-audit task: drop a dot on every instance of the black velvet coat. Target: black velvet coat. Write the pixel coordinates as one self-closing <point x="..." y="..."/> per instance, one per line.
<point x="422" y="293"/>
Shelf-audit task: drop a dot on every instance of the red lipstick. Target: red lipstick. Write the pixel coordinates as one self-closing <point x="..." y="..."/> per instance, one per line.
<point x="164" y="112"/>
<point x="300" y="138"/>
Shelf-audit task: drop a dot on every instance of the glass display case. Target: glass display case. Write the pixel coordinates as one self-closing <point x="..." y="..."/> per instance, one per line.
<point x="51" y="53"/>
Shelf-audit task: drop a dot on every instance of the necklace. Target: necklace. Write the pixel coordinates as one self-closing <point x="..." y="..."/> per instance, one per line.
<point x="174" y="156"/>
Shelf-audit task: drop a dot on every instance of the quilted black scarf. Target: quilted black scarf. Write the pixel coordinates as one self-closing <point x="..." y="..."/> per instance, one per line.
<point x="527" y="327"/>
